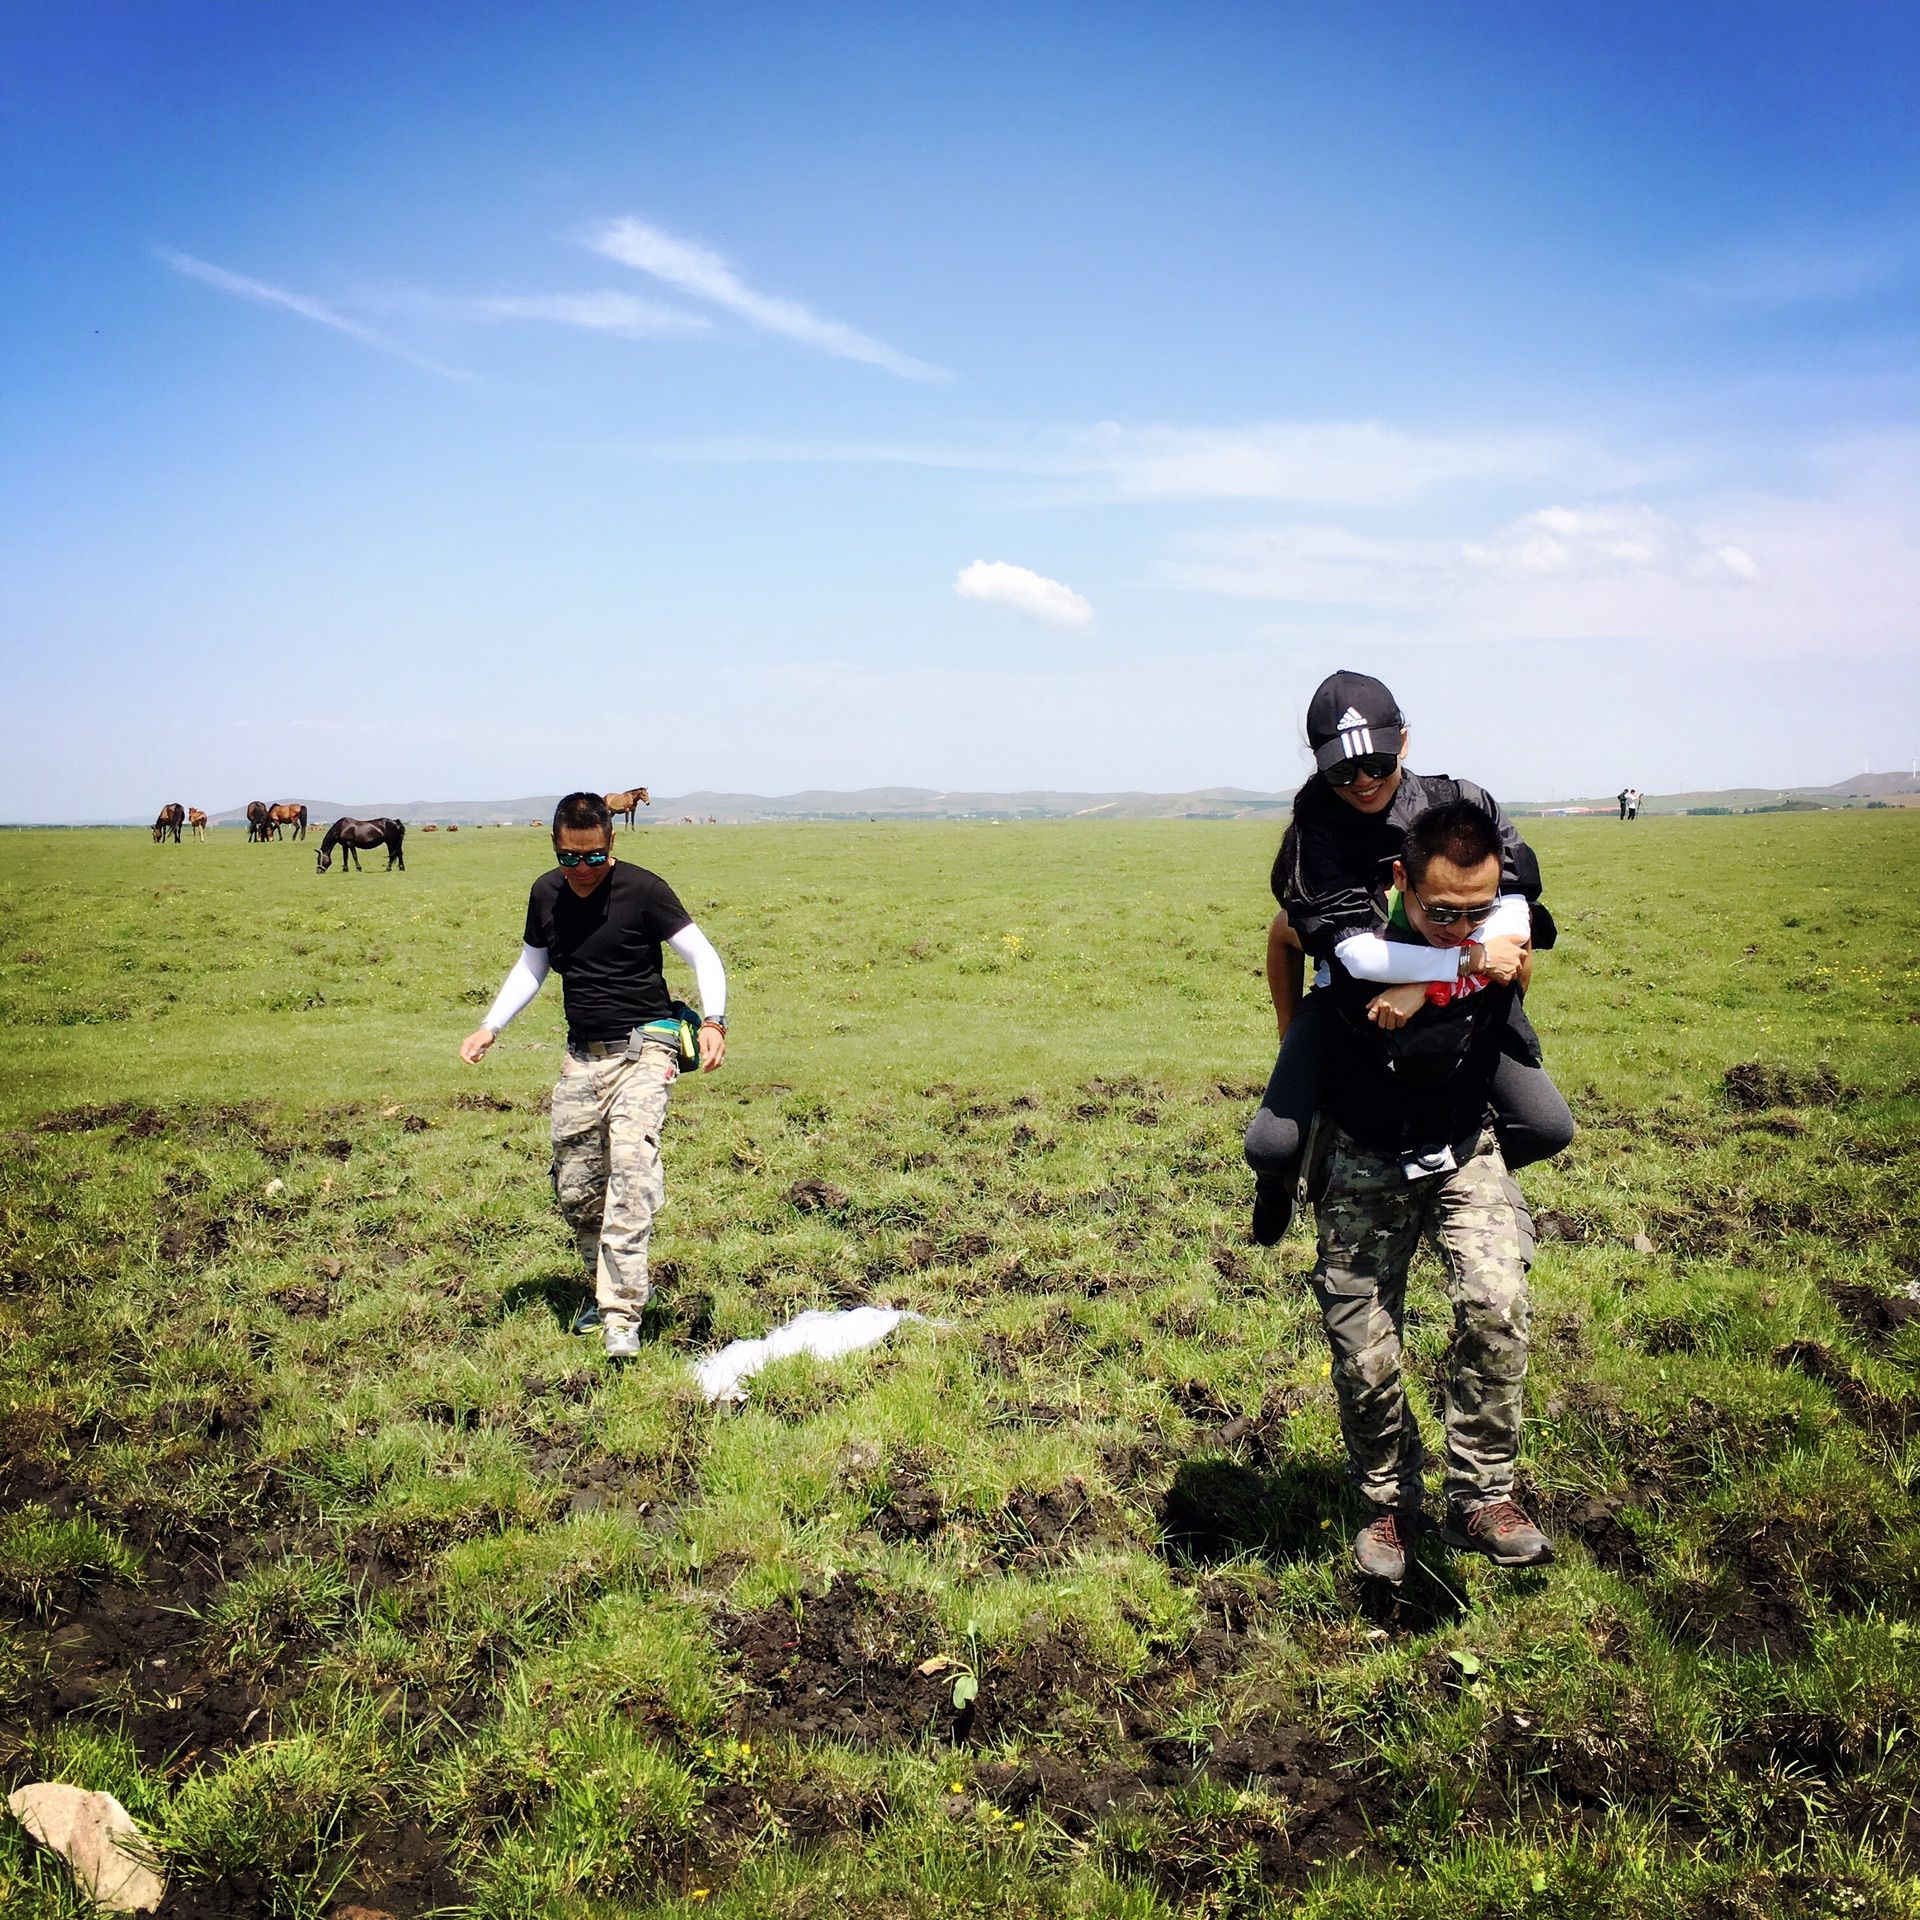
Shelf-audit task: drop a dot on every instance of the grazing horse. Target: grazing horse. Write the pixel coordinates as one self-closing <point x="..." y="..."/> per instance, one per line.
<point x="197" y="820"/>
<point x="173" y="816"/>
<point x="352" y="835"/>
<point x="628" y="803"/>
<point x="289" y="813"/>
<point x="259" y="826"/>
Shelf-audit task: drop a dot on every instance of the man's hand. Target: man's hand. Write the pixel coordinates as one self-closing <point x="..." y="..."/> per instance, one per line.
<point x="713" y="1048"/>
<point x="1397" y="1005"/>
<point x="1504" y="958"/>
<point x="475" y="1045"/>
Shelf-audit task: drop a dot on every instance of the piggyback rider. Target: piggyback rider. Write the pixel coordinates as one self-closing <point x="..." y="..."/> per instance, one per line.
<point x="601" y="923"/>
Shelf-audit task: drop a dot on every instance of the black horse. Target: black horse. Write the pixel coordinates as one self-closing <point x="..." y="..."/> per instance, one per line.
<point x="350" y="836"/>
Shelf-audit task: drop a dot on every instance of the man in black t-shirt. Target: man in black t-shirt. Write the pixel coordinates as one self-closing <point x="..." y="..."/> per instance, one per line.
<point x="600" y="924"/>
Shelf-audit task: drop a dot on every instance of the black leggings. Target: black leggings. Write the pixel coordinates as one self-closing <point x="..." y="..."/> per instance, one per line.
<point x="1530" y="1118"/>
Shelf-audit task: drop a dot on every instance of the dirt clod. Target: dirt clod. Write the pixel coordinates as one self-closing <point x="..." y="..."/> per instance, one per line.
<point x="1755" y="1085"/>
<point x="1875" y="1316"/>
<point x="816" y="1196"/>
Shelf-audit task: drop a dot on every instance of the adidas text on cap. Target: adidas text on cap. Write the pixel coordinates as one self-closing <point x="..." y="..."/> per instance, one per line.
<point x="1351" y="714"/>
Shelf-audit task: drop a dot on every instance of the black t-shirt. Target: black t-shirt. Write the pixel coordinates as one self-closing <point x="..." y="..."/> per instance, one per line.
<point x="606" y="948"/>
<point x="1336" y="863"/>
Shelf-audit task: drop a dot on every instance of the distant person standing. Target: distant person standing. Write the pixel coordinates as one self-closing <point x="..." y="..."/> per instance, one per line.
<point x="1624" y="791"/>
<point x="1633" y="803"/>
<point x="601" y="924"/>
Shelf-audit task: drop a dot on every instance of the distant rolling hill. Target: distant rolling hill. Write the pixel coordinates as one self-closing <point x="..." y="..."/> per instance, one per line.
<point x="929" y="803"/>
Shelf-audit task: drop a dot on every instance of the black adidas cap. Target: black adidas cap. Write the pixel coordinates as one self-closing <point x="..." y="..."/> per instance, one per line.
<point x="1351" y="714"/>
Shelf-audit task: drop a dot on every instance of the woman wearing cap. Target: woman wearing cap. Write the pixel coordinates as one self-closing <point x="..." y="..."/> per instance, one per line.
<point x="1334" y="865"/>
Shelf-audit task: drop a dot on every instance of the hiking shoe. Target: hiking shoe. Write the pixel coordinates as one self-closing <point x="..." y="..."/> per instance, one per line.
<point x="1380" y="1547"/>
<point x="587" y="1320"/>
<point x="1501" y="1531"/>
<point x="622" y="1343"/>
<point x="1272" y="1211"/>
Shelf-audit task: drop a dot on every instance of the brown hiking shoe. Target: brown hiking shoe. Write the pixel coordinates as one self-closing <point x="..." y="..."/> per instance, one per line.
<point x="1380" y="1547"/>
<point x="1500" y="1530"/>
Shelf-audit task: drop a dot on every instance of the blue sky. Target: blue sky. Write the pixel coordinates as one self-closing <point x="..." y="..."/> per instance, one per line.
<point x="459" y="401"/>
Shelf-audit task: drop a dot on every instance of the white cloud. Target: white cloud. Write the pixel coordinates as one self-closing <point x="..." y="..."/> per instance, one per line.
<point x="1837" y="570"/>
<point x="1629" y="538"/>
<point x="307" y="308"/>
<point x="1311" y="563"/>
<point x="707" y="275"/>
<point x="622" y="313"/>
<point x="1321" y="464"/>
<point x="1025" y="591"/>
<point x="1358" y="463"/>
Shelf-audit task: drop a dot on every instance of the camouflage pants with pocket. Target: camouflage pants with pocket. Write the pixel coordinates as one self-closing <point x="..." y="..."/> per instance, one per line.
<point x="1371" y="1218"/>
<point x="607" y="1120"/>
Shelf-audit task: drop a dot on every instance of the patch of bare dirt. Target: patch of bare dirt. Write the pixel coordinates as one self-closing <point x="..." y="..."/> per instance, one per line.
<point x="1755" y="1085"/>
<point x="1876" y="1317"/>
<point x="914" y="1509"/>
<point x="1038" y="1529"/>
<point x="848" y="1666"/>
<point x="1881" y="1416"/>
<point x="139" y="1122"/>
<point x="1325" y="1814"/>
<point x="816" y="1196"/>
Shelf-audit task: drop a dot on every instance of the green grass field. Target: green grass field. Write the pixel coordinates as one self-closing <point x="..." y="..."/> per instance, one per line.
<point x="331" y="1553"/>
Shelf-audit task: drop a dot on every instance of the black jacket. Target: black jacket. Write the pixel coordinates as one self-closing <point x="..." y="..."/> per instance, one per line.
<point x="1427" y="1084"/>
<point x="1335" y="863"/>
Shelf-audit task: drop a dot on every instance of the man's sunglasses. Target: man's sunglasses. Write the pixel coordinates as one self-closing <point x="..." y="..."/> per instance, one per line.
<point x="1451" y="916"/>
<point x="597" y="858"/>
<point x="1376" y="766"/>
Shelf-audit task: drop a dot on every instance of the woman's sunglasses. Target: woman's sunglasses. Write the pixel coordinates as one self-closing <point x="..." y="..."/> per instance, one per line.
<point x="597" y="858"/>
<point x="1376" y="766"/>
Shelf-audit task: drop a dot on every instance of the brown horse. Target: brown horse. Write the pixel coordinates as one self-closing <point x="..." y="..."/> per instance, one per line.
<point x="197" y="820"/>
<point x="352" y="835"/>
<point x="173" y="816"/>
<point x="289" y="813"/>
<point x="259" y="826"/>
<point x="628" y="803"/>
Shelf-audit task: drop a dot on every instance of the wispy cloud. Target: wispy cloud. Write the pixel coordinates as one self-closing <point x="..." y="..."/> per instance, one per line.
<point x="1319" y="464"/>
<point x="709" y="276"/>
<point x="243" y="288"/>
<point x="1006" y="585"/>
<point x="1629" y="538"/>
<point x="1835" y="568"/>
<point x="621" y="313"/>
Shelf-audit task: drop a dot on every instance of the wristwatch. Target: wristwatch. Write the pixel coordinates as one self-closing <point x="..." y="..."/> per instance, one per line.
<point x="1467" y="965"/>
<point x="715" y="1020"/>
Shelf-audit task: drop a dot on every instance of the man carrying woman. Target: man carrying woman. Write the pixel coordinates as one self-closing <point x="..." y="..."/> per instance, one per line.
<point x="1331" y="880"/>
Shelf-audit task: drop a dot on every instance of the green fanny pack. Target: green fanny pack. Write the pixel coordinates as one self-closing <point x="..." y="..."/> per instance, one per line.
<point x="680" y="1030"/>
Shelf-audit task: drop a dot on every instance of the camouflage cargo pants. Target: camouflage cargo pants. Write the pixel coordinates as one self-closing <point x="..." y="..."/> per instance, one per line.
<point x="607" y="1120"/>
<point x="1371" y="1219"/>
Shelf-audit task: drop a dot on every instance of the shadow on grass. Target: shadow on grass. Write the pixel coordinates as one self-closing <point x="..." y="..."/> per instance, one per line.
<point x="670" y="1316"/>
<point x="562" y="1294"/>
<point x="1219" y="1509"/>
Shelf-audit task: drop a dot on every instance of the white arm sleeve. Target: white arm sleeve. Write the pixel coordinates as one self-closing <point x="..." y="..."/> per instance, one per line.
<point x="519" y="987"/>
<point x="1392" y="963"/>
<point x="1389" y="963"/>
<point x="709" y="976"/>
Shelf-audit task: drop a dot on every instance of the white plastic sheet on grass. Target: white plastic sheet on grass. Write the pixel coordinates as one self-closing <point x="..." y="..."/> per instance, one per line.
<point x="825" y="1333"/>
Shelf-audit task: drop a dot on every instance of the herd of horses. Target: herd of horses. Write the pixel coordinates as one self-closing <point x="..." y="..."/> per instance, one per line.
<point x="352" y="837"/>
